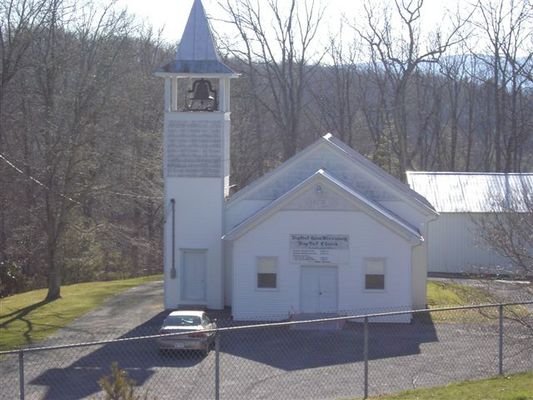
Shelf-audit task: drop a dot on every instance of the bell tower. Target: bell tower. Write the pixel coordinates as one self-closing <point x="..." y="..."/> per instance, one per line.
<point x="196" y="167"/>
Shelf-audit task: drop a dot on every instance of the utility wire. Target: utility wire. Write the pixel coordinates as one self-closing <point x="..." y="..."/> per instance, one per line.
<point x="133" y="195"/>
<point x="37" y="181"/>
<point x="166" y="209"/>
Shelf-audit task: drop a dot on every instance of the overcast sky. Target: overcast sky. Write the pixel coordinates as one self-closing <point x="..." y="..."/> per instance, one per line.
<point x="171" y="15"/>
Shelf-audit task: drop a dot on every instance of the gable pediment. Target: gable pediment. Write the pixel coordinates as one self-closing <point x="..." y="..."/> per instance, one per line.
<point x="320" y="197"/>
<point x="322" y="191"/>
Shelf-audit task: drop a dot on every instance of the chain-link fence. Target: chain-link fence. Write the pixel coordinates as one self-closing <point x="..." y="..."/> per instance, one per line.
<point x="334" y="358"/>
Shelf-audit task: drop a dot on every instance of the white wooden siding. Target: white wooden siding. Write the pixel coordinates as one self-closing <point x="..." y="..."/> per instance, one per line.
<point x="368" y="238"/>
<point x="198" y="225"/>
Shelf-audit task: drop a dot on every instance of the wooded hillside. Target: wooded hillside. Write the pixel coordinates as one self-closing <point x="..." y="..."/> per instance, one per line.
<point x="81" y="115"/>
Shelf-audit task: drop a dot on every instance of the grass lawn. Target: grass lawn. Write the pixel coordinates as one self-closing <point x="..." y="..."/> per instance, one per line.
<point x="25" y="318"/>
<point x="444" y="294"/>
<point x="513" y="387"/>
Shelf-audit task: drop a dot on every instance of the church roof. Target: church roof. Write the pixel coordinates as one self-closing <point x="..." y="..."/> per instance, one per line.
<point x="371" y="208"/>
<point x="197" y="52"/>
<point x="346" y="151"/>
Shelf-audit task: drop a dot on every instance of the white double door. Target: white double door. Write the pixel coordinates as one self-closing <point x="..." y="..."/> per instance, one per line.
<point x="318" y="289"/>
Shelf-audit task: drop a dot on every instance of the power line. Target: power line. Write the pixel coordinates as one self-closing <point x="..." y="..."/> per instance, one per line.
<point x="134" y="195"/>
<point x="37" y="181"/>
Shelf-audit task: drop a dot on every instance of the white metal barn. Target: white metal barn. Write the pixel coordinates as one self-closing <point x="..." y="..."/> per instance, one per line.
<point x="462" y="199"/>
<point x="325" y="232"/>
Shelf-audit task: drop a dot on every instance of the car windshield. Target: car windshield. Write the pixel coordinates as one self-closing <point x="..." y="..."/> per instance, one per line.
<point x="182" y="320"/>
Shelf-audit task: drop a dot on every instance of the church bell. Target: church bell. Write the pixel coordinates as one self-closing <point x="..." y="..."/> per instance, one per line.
<point x="203" y="96"/>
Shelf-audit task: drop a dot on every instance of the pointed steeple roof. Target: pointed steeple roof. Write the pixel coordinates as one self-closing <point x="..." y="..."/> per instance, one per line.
<point x="197" y="53"/>
<point x="197" y="41"/>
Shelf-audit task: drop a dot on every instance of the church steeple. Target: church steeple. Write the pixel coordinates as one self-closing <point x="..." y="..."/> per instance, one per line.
<point x="196" y="167"/>
<point x="197" y="59"/>
<point x="197" y="52"/>
<point x="197" y="40"/>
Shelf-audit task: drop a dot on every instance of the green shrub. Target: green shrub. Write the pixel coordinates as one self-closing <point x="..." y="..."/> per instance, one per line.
<point x="119" y="386"/>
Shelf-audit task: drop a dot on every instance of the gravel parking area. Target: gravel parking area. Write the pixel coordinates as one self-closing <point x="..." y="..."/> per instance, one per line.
<point x="272" y="363"/>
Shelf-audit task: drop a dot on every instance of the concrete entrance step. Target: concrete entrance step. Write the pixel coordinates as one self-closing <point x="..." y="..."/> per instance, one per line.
<point x="325" y="326"/>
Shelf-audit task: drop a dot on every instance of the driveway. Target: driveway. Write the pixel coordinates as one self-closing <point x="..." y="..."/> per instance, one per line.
<point x="273" y="363"/>
<point x="115" y="318"/>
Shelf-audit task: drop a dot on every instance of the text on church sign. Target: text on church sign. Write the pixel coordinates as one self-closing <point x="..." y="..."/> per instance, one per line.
<point x="319" y="249"/>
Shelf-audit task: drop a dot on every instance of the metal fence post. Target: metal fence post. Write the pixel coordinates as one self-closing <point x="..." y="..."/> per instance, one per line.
<point x="217" y="366"/>
<point x="365" y="356"/>
<point x="21" y="374"/>
<point x="500" y="344"/>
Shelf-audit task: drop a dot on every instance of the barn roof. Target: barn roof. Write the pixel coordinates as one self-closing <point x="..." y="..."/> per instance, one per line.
<point x="459" y="192"/>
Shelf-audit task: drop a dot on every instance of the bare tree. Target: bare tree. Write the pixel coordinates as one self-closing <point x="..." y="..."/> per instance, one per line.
<point x="454" y="71"/>
<point x="277" y="51"/>
<point x="132" y="195"/>
<point x="336" y="89"/>
<point x="77" y="50"/>
<point x="401" y="51"/>
<point x="508" y="27"/>
<point x="81" y="145"/>
<point x="20" y="20"/>
<point x="508" y="230"/>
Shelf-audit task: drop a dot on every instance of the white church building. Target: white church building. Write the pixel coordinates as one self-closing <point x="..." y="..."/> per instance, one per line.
<point x="326" y="232"/>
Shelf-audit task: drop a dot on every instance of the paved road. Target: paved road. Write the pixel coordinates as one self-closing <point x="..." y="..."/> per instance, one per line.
<point x="276" y="363"/>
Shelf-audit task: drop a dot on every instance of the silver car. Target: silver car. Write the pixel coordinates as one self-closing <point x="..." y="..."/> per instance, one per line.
<point x="193" y="322"/>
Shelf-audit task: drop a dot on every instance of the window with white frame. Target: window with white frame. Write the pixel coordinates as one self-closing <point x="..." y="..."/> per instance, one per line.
<point x="374" y="273"/>
<point x="267" y="272"/>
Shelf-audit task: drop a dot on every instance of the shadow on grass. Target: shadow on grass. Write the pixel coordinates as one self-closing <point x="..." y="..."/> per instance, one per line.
<point x="20" y="315"/>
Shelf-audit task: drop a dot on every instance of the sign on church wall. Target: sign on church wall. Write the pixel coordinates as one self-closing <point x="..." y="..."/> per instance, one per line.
<point x="194" y="149"/>
<point x="319" y="249"/>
